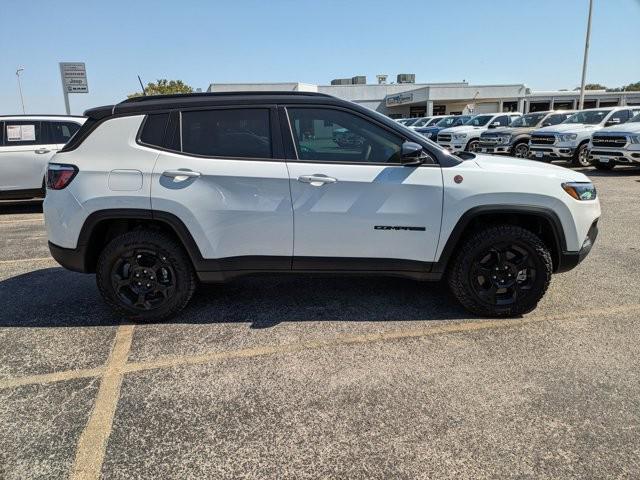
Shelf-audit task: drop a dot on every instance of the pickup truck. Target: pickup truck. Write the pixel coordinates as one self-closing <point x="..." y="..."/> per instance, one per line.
<point x="466" y="137"/>
<point x="514" y="139"/>
<point x="431" y="132"/>
<point x="617" y="145"/>
<point x="570" y="139"/>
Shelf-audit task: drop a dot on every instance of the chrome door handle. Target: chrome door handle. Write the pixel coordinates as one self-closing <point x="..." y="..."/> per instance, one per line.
<point x="180" y="173"/>
<point x="42" y="150"/>
<point x="316" y="180"/>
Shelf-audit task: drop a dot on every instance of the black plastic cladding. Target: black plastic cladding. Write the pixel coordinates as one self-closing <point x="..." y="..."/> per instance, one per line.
<point x="154" y="104"/>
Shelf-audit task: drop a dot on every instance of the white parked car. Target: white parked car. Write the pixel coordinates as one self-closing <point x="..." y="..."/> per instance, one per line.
<point x="466" y="137"/>
<point x="569" y="140"/>
<point x="27" y="143"/>
<point x="155" y="193"/>
<point x="617" y="145"/>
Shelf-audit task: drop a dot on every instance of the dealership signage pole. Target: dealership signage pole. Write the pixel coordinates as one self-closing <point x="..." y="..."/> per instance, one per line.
<point x="74" y="80"/>
<point x="586" y="55"/>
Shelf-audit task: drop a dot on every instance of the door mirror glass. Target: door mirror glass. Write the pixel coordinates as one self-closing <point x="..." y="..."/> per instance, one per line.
<point x="494" y="125"/>
<point x="411" y="154"/>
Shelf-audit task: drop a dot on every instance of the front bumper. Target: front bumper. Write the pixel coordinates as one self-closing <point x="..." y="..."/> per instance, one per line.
<point x="614" y="155"/>
<point x="453" y="146"/>
<point x="550" y="152"/>
<point x="494" y="148"/>
<point x="569" y="260"/>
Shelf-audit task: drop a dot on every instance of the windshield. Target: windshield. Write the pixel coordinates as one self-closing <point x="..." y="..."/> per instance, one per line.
<point x="411" y="121"/>
<point x="479" y="121"/>
<point x="636" y="118"/>
<point x="529" y="120"/>
<point x="446" y="122"/>
<point x="422" y="122"/>
<point x="433" y="121"/>
<point x="588" y="117"/>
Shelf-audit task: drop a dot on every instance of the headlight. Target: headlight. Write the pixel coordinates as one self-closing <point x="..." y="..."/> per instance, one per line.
<point x="459" y="136"/>
<point x="427" y="134"/>
<point x="567" y="137"/>
<point x="580" y="190"/>
<point x="505" y="140"/>
<point x="634" y="138"/>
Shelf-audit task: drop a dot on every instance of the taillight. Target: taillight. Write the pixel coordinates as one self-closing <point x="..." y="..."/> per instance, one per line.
<point x="59" y="175"/>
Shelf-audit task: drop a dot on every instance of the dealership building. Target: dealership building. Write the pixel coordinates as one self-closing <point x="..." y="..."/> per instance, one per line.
<point x="409" y="99"/>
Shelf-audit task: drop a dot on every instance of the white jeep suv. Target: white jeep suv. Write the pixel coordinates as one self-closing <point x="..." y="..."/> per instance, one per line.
<point x="27" y="143"/>
<point x="569" y="140"/>
<point x="466" y="137"/>
<point x="156" y="193"/>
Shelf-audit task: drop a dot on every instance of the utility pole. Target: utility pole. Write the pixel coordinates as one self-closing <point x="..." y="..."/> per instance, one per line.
<point x="18" y="72"/>
<point x="586" y="55"/>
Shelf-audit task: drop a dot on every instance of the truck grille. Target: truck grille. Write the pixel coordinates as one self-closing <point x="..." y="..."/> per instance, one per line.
<point x="609" y="141"/>
<point x="444" y="138"/>
<point x="543" y="139"/>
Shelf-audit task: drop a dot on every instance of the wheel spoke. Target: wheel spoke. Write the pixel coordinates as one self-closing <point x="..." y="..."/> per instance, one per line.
<point x="120" y="282"/>
<point x="142" y="302"/>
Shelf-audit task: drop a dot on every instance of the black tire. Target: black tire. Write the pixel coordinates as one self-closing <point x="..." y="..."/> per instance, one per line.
<point x="581" y="156"/>
<point x="606" y="167"/>
<point x="473" y="146"/>
<point x="527" y="276"/>
<point x="521" y="149"/>
<point x="145" y="276"/>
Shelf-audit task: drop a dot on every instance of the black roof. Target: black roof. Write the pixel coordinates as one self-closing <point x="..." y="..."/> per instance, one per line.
<point x="146" y="104"/>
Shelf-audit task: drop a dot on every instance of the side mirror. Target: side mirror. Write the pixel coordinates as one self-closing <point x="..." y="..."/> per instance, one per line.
<point x="546" y="124"/>
<point x="613" y="121"/>
<point x="411" y="154"/>
<point x="494" y="125"/>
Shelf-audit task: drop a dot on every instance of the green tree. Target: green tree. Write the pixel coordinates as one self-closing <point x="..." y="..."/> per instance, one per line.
<point x="632" y="87"/>
<point x="592" y="86"/>
<point x="164" y="87"/>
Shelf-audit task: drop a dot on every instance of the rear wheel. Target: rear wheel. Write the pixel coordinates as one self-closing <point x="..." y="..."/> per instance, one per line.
<point x="501" y="271"/>
<point x="604" y="166"/>
<point x="581" y="157"/>
<point x="145" y="276"/>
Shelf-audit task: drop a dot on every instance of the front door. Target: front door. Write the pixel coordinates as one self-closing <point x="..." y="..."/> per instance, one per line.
<point x="355" y="206"/>
<point x="225" y="182"/>
<point x="23" y="153"/>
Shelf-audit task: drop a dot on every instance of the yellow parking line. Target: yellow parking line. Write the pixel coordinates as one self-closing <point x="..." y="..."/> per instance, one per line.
<point x="22" y="220"/>
<point x="93" y="440"/>
<point x="22" y="260"/>
<point x="51" y="377"/>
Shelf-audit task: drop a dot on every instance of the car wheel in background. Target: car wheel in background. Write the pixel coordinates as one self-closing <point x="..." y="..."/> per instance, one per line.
<point x="473" y="146"/>
<point x="145" y="276"/>
<point x="581" y="157"/>
<point x="521" y="150"/>
<point x="501" y="271"/>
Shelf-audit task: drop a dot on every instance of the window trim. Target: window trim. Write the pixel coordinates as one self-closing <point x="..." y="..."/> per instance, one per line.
<point x="358" y="114"/>
<point x="270" y="108"/>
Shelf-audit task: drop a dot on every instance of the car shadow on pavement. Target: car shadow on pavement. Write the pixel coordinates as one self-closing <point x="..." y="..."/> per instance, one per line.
<point x="16" y="208"/>
<point x="54" y="297"/>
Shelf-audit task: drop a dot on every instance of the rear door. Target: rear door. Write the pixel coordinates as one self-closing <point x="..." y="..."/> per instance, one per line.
<point x="20" y="165"/>
<point x="355" y="206"/>
<point x="224" y="177"/>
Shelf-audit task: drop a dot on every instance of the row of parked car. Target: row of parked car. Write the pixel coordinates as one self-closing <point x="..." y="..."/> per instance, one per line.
<point x="602" y="137"/>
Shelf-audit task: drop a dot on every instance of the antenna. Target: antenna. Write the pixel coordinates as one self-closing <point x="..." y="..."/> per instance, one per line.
<point x="142" y="86"/>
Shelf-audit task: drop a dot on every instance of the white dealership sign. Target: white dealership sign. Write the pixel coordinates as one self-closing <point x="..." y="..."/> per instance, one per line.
<point x="74" y="80"/>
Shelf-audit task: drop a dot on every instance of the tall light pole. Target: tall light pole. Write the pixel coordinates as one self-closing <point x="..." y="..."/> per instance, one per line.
<point x="18" y="72"/>
<point x="586" y="55"/>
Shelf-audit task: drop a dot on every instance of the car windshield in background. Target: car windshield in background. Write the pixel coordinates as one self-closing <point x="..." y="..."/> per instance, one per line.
<point x="589" y="117"/>
<point x="411" y="121"/>
<point x="446" y="122"/>
<point x="530" y="120"/>
<point x="635" y="119"/>
<point x="422" y="122"/>
<point x="432" y="121"/>
<point x="479" y="121"/>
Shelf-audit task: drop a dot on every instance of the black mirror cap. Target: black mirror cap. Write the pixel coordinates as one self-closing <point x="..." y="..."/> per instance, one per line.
<point x="412" y="154"/>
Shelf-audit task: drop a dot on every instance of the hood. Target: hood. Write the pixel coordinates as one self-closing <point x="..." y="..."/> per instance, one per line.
<point x="430" y="129"/>
<point x="568" y="127"/>
<point x="632" y="127"/>
<point x="462" y="129"/>
<point x="528" y="167"/>
<point x="507" y="131"/>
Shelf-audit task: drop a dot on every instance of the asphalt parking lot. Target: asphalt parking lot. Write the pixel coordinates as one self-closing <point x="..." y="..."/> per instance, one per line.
<point x="289" y="377"/>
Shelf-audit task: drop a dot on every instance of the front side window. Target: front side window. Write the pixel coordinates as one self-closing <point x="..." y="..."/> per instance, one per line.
<point x="479" y="120"/>
<point x="636" y="118"/>
<point x="447" y="122"/>
<point x="502" y="121"/>
<point x="556" y="118"/>
<point x="61" y="132"/>
<point x="528" y="120"/>
<point x="589" y="117"/>
<point x="422" y="122"/>
<point x="330" y="135"/>
<point x="235" y="133"/>
<point x="22" y="133"/>
<point x="432" y="122"/>
<point x="622" y="116"/>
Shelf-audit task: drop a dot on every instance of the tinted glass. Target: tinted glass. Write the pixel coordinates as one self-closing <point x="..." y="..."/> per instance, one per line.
<point x="503" y="120"/>
<point x="337" y="136"/>
<point x="61" y="132"/>
<point x="589" y="117"/>
<point x="622" y="116"/>
<point x="243" y="133"/>
<point x="22" y="133"/>
<point x="529" y="120"/>
<point x="433" y="121"/>
<point x="154" y="128"/>
<point x="557" y="118"/>
<point x="636" y="118"/>
<point x="479" y="121"/>
<point x="422" y="122"/>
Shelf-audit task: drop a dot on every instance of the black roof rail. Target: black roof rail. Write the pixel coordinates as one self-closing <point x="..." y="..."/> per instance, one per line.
<point x="41" y="115"/>
<point x="147" y="98"/>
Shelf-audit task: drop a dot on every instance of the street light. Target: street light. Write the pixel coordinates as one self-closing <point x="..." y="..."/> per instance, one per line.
<point x="586" y="54"/>
<point x="18" y="72"/>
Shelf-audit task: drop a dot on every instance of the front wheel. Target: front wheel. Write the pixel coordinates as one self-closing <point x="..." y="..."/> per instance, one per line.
<point x="145" y="276"/>
<point x="521" y="150"/>
<point x="581" y="157"/>
<point x="473" y="146"/>
<point x="501" y="271"/>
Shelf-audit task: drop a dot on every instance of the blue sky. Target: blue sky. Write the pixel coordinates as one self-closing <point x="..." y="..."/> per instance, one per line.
<point x="536" y="42"/>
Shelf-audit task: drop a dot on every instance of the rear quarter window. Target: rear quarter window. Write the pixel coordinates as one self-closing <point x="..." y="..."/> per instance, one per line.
<point x="153" y="130"/>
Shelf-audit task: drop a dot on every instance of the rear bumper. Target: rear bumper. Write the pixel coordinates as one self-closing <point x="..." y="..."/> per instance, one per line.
<point x="70" y="258"/>
<point x="569" y="260"/>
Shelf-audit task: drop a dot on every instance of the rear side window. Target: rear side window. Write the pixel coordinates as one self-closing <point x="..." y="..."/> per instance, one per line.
<point x="154" y="128"/>
<point x="22" y="133"/>
<point x="240" y="133"/>
<point x="61" y="132"/>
